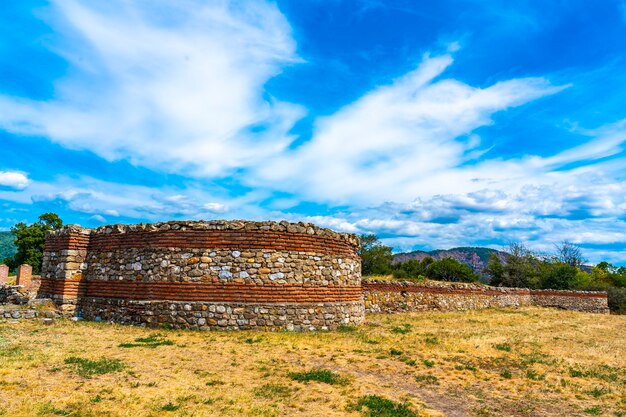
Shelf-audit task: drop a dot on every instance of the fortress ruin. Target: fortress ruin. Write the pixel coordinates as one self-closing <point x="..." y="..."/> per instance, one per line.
<point x="244" y="274"/>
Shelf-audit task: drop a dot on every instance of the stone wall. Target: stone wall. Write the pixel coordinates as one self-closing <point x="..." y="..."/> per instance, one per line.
<point x="592" y="302"/>
<point x="404" y="296"/>
<point x="217" y="274"/>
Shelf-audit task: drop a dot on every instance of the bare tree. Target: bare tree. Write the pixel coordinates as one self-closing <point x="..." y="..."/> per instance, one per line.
<point x="569" y="253"/>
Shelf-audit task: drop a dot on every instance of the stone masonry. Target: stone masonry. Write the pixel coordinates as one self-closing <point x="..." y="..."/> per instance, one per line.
<point x="405" y="296"/>
<point x="217" y="274"/>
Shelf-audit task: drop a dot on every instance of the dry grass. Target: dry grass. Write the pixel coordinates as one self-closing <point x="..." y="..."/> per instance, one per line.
<point x="526" y="362"/>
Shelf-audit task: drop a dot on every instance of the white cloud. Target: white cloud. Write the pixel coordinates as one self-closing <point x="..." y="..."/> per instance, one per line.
<point x="13" y="179"/>
<point x="98" y="218"/>
<point x="176" y="86"/>
<point x="401" y="140"/>
<point x="215" y="208"/>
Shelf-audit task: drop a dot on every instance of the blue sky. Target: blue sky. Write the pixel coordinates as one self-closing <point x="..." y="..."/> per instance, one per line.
<point x="431" y="124"/>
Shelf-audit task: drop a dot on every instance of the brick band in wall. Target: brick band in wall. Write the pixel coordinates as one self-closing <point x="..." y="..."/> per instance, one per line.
<point x="189" y="291"/>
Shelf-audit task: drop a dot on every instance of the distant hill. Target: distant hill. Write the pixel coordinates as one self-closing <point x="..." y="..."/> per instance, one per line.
<point x="7" y="248"/>
<point x="475" y="258"/>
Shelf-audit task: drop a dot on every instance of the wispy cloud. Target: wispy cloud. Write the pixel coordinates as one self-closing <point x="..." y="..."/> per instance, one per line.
<point x="402" y="140"/>
<point x="175" y="86"/>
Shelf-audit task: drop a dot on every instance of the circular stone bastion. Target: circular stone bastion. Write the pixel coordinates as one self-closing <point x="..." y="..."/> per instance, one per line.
<point x="206" y="275"/>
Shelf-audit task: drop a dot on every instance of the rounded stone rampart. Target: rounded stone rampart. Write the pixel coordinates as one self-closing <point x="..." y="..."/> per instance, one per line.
<point x="207" y="274"/>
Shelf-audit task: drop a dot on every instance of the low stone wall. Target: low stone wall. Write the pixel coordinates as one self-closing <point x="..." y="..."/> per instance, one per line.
<point x="206" y="274"/>
<point x="589" y="301"/>
<point x="13" y="313"/>
<point x="404" y="296"/>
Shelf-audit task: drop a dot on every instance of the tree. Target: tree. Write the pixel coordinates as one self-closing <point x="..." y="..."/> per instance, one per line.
<point x="569" y="253"/>
<point x="523" y="269"/>
<point x="30" y="241"/>
<point x="449" y="269"/>
<point x="561" y="276"/>
<point x="494" y="270"/>
<point x="412" y="268"/>
<point x="375" y="257"/>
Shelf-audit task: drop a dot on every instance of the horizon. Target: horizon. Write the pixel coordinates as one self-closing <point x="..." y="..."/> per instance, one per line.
<point x="456" y="124"/>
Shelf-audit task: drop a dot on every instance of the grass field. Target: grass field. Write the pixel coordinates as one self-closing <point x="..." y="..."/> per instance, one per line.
<point x="526" y="362"/>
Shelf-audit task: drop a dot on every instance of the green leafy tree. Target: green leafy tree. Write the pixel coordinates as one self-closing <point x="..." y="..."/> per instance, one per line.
<point x="449" y="269"/>
<point x="523" y="269"/>
<point x="412" y="268"/>
<point x="30" y="240"/>
<point x="560" y="276"/>
<point x="494" y="270"/>
<point x="375" y="257"/>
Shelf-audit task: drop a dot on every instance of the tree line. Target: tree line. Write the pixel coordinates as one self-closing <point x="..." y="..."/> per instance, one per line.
<point x="522" y="268"/>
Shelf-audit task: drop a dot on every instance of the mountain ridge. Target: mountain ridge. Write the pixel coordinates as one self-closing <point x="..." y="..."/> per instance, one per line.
<point x="476" y="257"/>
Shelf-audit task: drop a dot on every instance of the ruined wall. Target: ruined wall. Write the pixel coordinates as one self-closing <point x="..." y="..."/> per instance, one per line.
<point x="592" y="302"/>
<point x="202" y="275"/>
<point x="403" y="296"/>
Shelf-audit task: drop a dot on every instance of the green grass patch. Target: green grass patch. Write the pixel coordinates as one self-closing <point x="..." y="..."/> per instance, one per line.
<point x="170" y="407"/>
<point x="533" y="375"/>
<point x="428" y="363"/>
<point x="376" y="406"/>
<point x="407" y="360"/>
<point x="603" y="372"/>
<point x="346" y="329"/>
<point x="505" y="347"/>
<point x="273" y="391"/>
<point x="506" y="374"/>
<point x="395" y="352"/>
<point x="432" y="340"/>
<point x="152" y="341"/>
<point x="594" y="411"/>
<point x="426" y="379"/>
<point x="320" y="375"/>
<point x="597" y="392"/>
<point x="88" y="368"/>
<point x="402" y="329"/>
